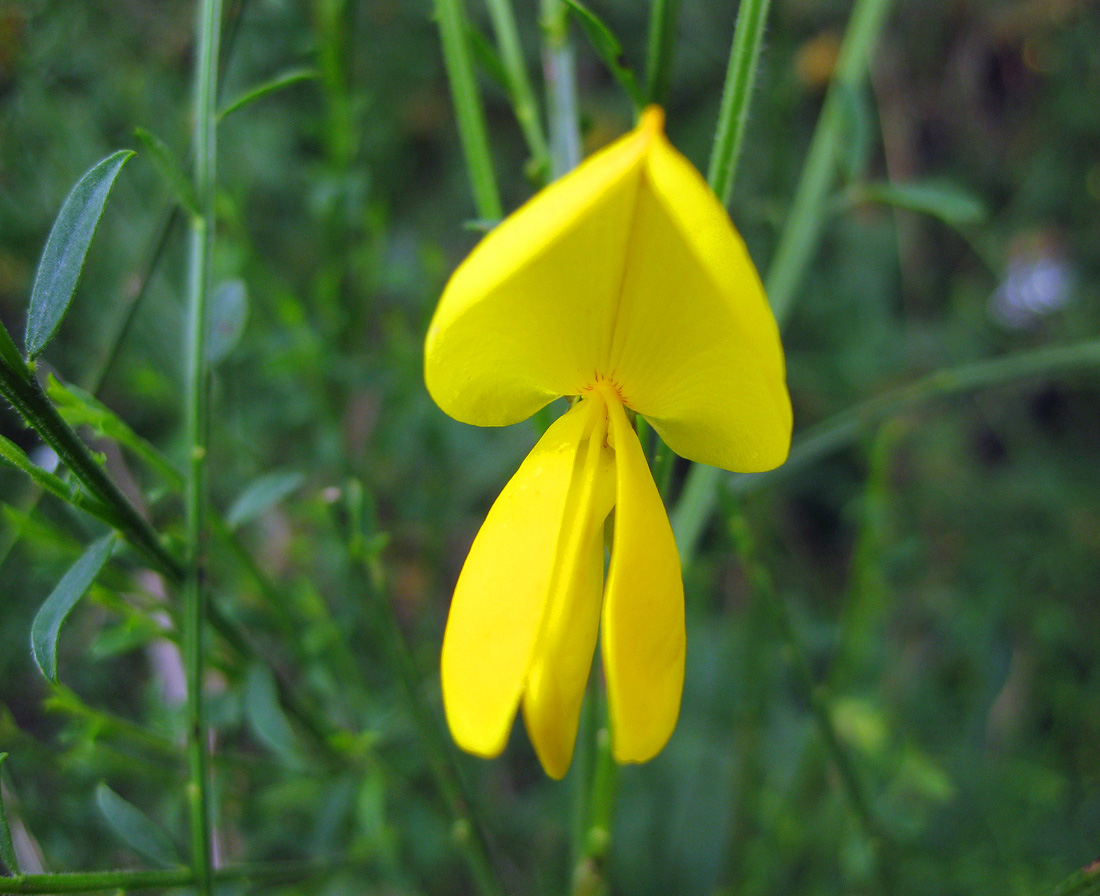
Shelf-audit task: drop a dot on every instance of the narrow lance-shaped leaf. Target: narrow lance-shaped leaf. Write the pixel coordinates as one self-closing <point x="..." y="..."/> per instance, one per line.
<point x="8" y="858"/>
<point x="261" y="494"/>
<point x="264" y="715"/>
<point x="63" y="258"/>
<point x="55" y="485"/>
<point x="80" y="408"/>
<point x="279" y="82"/>
<point x="608" y="48"/>
<point x="949" y="202"/>
<point x="134" y="828"/>
<point x="72" y="587"/>
<point x="228" y="315"/>
<point x="169" y="168"/>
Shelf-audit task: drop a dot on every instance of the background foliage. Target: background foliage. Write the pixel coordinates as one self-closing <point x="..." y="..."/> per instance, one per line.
<point x="926" y="593"/>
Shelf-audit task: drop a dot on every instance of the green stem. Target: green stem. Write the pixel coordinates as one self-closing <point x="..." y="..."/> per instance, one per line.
<point x="561" y="88"/>
<point x="748" y="37"/>
<point x="200" y="253"/>
<point x="660" y="43"/>
<point x="30" y="400"/>
<point x="519" y="87"/>
<point x="590" y="871"/>
<point x="799" y="238"/>
<point x="472" y="131"/>
<point x="92" y="881"/>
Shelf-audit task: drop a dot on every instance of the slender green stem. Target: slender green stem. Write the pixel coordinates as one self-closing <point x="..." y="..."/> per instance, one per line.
<point x="519" y="87"/>
<point x="799" y="237"/>
<point x="558" y="65"/>
<point x="123" y="880"/>
<point x="30" y="400"/>
<point x="748" y="37"/>
<point x="200" y="252"/>
<point x="590" y="871"/>
<point x="469" y="114"/>
<point x="660" y="43"/>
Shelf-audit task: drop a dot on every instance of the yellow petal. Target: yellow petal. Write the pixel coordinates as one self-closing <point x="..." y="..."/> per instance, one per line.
<point x="642" y="638"/>
<point x="498" y="605"/>
<point x="563" y="656"/>
<point x="696" y="349"/>
<point x="527" y="315"/>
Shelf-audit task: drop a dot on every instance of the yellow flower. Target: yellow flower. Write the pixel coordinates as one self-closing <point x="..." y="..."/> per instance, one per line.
<point x="625" y="286"/>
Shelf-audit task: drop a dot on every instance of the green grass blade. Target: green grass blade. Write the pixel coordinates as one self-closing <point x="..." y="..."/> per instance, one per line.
<point x="73" y="585"/>
<point x="63" y="258"/>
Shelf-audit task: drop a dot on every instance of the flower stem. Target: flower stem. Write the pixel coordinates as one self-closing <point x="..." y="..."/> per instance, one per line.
<point x="196" y="411"/>
<point x="660" y="43"/>
<point x="469" y="114"/>
<point x="519" y="87"/>
<point x="748" y="37"/>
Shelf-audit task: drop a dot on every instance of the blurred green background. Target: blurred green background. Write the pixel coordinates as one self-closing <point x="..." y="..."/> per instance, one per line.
<point x="942" y="570"/>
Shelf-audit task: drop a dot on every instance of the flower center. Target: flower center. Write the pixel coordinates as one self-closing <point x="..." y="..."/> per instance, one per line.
<point x="607" y="389"/>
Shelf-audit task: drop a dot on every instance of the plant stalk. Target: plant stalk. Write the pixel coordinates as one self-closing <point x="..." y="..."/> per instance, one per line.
<point x="748" y="38"/>
<point x="660" y="43"/>
<point x="451" y="17"/>
<point x="200" y="254"/>
<point x="519" y="87"/>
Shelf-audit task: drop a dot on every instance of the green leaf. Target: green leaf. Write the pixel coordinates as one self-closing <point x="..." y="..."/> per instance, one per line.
<point x="225" y="323"/>
<point x="260" y="494"/>
<point x="487" y="57"/>
<point x="7" y="849"/>
<point x="949" y="202"/>
<point x="136" y="829"/>
<point x="264" y="715"/>
<point x="279" y="82"/>
<point x="63" y="258"/>
<point x="80" y="408"/>
<point x="169" y="168"/>
<point x="857" y="123"/>
<point x="608" y="48"/>
<point x="73" y="585"/>
<point x="46" y="480"/>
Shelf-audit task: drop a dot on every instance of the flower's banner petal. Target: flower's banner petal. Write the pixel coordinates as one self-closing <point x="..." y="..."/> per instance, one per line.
<point x="696" y="349"/>
<point x="563" y="656"/>
<point x="502" y="591"/>
<point x="643" y="615"/>
<point x="525" y="317"/>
